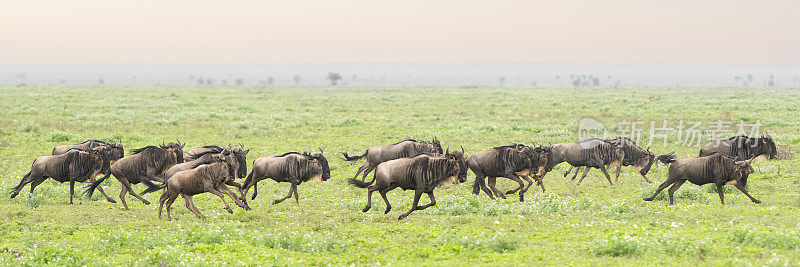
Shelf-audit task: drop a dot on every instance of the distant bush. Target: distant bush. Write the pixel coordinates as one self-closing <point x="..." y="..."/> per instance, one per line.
<point x="617" y="247"/>
<point x="30" y="128"/>
<point x="765" y="238"/>
<point x="689" y="192"/>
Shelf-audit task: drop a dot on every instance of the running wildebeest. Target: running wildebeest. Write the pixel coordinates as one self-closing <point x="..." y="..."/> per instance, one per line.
<point x="205" y="178"/>
<point x="422" y="173"/>
<point x="115" y="150"/>
<point x="635" y="156"/>
<point x="512" y="162"/>
<point x="291" y="167"/>
<point x="743" y="147"/>
<point x="144" y="166"/>
<point x="203" y="155"/>
<point x="379" y="154"/>
<point x="75" y="165"/>
<point x="591" y="153"/>
<point x="715" y="168"/>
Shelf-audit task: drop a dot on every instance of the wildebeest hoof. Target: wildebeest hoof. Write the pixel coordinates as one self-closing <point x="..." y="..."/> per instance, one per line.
<point x="365" y="209"/>
<point x="230" y="210"/>
<point x="402" y="217"/>
<point x="510" y="192"/>
<point x="275" y="202"/>
<point x="648" y="199"/>
<point x="757" y="201"/>
<point x="387" y="211"/>
<point x="146" y="202"/>
<point x="111" y="201"/>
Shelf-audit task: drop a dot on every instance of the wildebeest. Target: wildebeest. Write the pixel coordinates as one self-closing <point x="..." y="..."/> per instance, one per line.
<point x="205" y="178"/>
<point x="115" y="150"/>
<point x="635" y="156"/>
<point x="406" y="148"/>
<point x="422" y="173"/>
<point x="144" y="166"/>
<point x="507" y="161"/>
<point x="591" y="153"/>
<point x="715" y="168"/>
<point x="743" y="147"/>
<point x="203" y="155"/>
<point x="75" y="165"/>
<point x="291" y="167"/>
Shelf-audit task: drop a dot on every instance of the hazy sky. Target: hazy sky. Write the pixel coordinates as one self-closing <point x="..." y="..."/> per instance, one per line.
<point x="197" y="31"/>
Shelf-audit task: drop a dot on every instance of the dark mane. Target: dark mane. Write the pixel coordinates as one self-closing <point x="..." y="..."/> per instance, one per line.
<point x="739" y="136"/>
<point x="289" y="153"/>
<point x="514" y="146"/>
<point x="138" y="150"/>
<point x="205" y="153"/>
<point x="412" y="140"/>
<point x="212" y="146"/>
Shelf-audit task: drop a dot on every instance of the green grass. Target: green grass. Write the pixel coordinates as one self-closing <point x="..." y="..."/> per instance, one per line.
<point x="590" y="224"/>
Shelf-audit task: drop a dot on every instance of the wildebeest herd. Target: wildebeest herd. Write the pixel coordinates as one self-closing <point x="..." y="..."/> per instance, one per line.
<point x="411" y="165"/>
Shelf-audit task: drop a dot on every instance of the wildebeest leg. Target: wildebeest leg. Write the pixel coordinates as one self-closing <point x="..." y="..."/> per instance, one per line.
<point x="369" y="169"/>
<point x="296" y="196"/>
<point x="645" y="178"/>
<point x="721" y="194"/>
<point x="616" y="180"/>
<point x="133" y="193"/>
<point x="71" y="189"/>
<point x="481" y="179"/>
<point x="414" y="206"/>
<point x="605" y="172"/>
<point x="234" y="184"/>
<point x="161" y="201"/>
<point x="385" y="199"/>
<point x="225" y="190"/>
<point x="660" y="187"/>
<point x="37" y="182"/>
<point x="674" y="188"/>
<point x="530" y="182"/>
<point x="370" y="189"/>
<point x="219" y="194"/>
<point x="568" y="171"/>
<point x="433" y="201"/>
<point x="578" y="170"/>
<point x="190" y="205"/>
<point x="255" y="191"/>
<point x="122" y="193"/>
<point x="585" y="172"/>
<point x="28" y="178"/>
<point x="360" y="169"/>
<point x="291" y="191"/>
<point x="100" y="188"/>
<point x="169" y="205"/>
<point x="744" y="190"/>
<point x="540" y="181"/>
<point x="497" y="193"/>
<point x="516" y="178"/>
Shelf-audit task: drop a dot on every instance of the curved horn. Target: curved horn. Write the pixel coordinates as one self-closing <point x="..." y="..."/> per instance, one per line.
<point x="320" y="150"/>
<point x="648" y="149"/>
<point x="448" y="150"/>
<point x="462" y="149"/>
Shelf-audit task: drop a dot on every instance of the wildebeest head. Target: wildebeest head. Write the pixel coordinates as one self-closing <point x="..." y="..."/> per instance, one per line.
<point x="768" y="146"/>
<point x="458" y="156"/>
<point x="540" y="157"/>
<point x="176" y="148"/>
<point x="241" y="155"/>
<point x="437" y="145"/>
<point x="101" y="153"/>
<point x="229" y="159"/>
<point x="646" y="162"/>
<point x="116" y="151"/>
<point x="742" y="170"/>
<point x="320" y="158"/>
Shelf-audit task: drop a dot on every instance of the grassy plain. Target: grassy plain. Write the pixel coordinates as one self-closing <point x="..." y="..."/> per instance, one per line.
<point x="590" y="224"/>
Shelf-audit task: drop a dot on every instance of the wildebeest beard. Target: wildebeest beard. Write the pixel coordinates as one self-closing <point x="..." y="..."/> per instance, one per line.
<point x="434" y="171"/>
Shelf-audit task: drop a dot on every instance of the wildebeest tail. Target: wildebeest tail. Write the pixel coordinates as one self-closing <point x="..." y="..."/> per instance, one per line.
<point x="667" y="158"/>
<point x="353" y="158"/>
<point x="362" y="184"/>
<point x="249" y="178"/>
<point x="154" y="187"/>
<point x="476" y="186"/>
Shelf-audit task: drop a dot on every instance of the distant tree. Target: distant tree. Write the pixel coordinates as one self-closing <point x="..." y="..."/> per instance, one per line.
<point x="576" y="82"/>
<point x="239" y="81"/>
<point x="501" y="81"/>
<point x="101" y="81"/>
<point x="333" y="77"/>
<point x="596" y="81"/>
<point x="201" y="81"/>
<point x="191" y="79"/>
<point x="558" y="77"/>
<point x="296" y="79"/>
<point x="21" y="77"/>
<point x="209" y="81"/>
<point x="224" y="81"/>
<point x="270" y="81"/>
<point x="533" y="83"/>
<point x="771" y="83"/>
